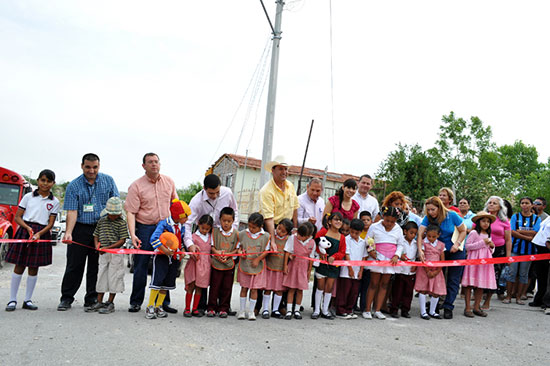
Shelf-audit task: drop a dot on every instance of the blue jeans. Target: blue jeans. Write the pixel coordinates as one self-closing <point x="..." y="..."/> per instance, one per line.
<point x="454" y="276"/>
<point x="141" y="265"/>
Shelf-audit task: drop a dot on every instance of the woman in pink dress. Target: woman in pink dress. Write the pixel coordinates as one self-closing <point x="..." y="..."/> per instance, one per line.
<point x="430" y="281"/>
<point x="197" y="269"/>
<point x="479" y="245"/>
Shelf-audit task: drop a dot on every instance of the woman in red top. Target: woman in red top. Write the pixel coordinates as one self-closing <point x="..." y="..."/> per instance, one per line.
<point x="342" y="201"/>
<point x="446" y="196"/>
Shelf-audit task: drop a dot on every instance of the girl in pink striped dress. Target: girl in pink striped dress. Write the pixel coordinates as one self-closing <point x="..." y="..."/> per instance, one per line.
<point x="197" y="269"/>
<point x="479" y="277"/>
<point x="298" y="269"/>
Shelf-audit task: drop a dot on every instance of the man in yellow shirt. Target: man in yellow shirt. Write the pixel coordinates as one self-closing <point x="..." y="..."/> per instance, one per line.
<point x="278" y="198"/>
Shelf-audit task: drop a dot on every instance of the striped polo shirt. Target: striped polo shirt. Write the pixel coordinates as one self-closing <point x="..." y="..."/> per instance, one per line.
<point x="110" y="231"/>
<point x="520" y="222"/>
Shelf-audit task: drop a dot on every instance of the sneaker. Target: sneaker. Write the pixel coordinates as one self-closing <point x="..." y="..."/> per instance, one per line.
<point x="94" y="307"/>
<point x="342" y="316"/>
<point x="150" y="312"/>
<point x="91" y="305"/>
<point x="547" y="311"/>
<point x="187" y="313"/>
<point x="161" y="313"/>
<point x="252" y="316"/>
<point x="353" y="316"/>
<point x="134" y="308"/>
<point x="241" y="315"/>
<point x="223" y="314"/>
<point x="210" y="313"/>
<point x="379" y="315"/>
<point x="367" y="315"/>
<point x="107" y="309"/>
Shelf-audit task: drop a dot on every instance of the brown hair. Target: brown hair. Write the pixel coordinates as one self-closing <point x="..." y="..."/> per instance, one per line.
<point x="449" y="192"/>
<point x="442" y="210"/>
<point x="392" y="197"/>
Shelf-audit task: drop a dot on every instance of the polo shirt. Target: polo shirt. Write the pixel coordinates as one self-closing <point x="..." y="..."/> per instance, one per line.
<point x="109" y="232"/>
<point x="80" y="192"/>
<point x="520" y="222"/>
<point x="276" y="204"/>
<point x="38" y="209"/>
<point x="150" y="199"/>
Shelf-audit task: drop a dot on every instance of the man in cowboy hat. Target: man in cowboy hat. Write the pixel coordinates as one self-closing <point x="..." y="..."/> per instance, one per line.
<point x="278" y="198"/>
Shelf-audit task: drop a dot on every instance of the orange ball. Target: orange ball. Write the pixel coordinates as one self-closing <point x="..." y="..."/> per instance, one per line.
<point x="170" y="240"/>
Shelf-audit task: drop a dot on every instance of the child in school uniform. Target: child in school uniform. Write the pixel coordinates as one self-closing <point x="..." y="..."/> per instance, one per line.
<point x="225" y="241"/>
<point x="350" y="277"/>
<point x="274" y="274"/>
<point x="403" y="284"/>
<point x="197" y="269"/>
<point x="111" y="232"/>
<point x="35" y="216"/>
<point x="166" y="262"/>
<point x="251" y="275"/>
<point x="366" y="217"/>
<point x="297" y="270"/>
<point x="430" y="281"/>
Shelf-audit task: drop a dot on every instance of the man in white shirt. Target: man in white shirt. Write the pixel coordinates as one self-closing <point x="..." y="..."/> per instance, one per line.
<point x="364" y="199"/>
<point x="311" y="204"/>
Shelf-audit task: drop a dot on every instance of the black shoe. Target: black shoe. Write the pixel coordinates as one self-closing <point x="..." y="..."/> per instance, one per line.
<point x="535" y="304"/>
<point x="328" y="316"/>
<point x="394" y="314"/>
<point x="29" y="305"/>
<point x="437" y="316"/>
<point x="231" y="313"/>
<point x="11" y="306"/>
<point x="405" y="314"/>
<point x="265" y="314"/>
<point x="315" y="316"/>
<point x="63" y="306"/>
<point x="297" y="315"/>
<point x="301" y="308"/>
<point x="447" y="314"/>
<point x="134" y="308"/>
<point x="169" y="309"/>
<point x="425" y="316"/>
<point x="277" y="314"/>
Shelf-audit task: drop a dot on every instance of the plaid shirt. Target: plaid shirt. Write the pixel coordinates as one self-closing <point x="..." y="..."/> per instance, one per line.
<point x="80" y="192"/>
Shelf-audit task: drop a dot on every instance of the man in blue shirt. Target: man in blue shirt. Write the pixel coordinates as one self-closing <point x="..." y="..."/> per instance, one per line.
<point x="85" y="198"/>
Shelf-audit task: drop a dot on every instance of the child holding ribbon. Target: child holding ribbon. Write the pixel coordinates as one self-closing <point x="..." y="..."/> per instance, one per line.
<point x="197" y="269"/>
<point x="479" y="277"/>
<point x="251" y="275"/>
<point x="35" y="216"/>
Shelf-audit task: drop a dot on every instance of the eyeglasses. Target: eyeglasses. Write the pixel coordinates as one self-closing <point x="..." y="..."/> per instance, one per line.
<point x="537" y="203"/>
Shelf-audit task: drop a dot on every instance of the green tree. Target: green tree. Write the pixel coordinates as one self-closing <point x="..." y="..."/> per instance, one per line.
<point x="187" y="193"/>
<point x="411" y="171"/>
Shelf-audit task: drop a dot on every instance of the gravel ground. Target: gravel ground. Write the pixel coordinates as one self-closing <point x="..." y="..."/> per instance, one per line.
<point x="511" y="334"/>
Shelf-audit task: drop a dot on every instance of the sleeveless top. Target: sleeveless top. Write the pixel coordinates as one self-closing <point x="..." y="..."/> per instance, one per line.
<point x="275" y="261"/>
<point x="227" y="244"/>
<point x="251" y="245"/>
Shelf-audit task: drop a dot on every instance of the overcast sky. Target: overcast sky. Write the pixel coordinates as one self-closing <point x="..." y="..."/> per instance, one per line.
<point x="121" y="78"/>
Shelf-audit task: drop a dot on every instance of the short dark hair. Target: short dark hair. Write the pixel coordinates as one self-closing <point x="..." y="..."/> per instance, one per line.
<point x="149" y="154"/>
<point x="49" y="174"/>
<point x="410" y="225"/>
<point x="227" y="211"/>
<point x="90" y="157"/>
<point x="526" y="198"/>
<point x="312" y="228"/>
<point x="542" y="199"/>
<point x="211" y="181"/>
<point x="346" y="222"/>
<point x="365" y="176"/>
<point x="357" y="224"/>
<point x="304" y="229"/>
<point x="365" y="213"/>
<point x="256" y="218"/>
<point x="433" y="227"/>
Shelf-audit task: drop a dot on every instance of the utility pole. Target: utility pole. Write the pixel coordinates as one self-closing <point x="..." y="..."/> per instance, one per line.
<point x="272" y="93"/>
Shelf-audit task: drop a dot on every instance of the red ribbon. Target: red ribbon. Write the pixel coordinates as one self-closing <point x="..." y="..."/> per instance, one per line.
<point x="450" y="263"/>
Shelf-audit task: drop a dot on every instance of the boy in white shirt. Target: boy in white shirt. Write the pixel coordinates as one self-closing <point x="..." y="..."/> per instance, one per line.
<point x="403" y="284"/>
<point x="349" y="280"/>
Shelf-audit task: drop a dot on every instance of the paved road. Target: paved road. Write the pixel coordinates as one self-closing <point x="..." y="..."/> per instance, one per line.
<point x="511" y="335"/>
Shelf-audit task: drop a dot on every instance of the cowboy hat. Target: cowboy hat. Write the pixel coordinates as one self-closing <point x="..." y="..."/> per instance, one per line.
<point x="483" y="215"/>
<point x="279" y="160"/>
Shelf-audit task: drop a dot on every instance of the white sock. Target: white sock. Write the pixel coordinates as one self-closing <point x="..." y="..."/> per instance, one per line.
<point x="265" y="302"/>
<point x="326" y="302"/>
<point x="433" y="304"/>
<point x="15" y="282"/>
<point x="31" y="283"/>
<point x="243" y="303"/>
<point x="297" y="307"/>
<point x="252" y="305"/>
<point x="276" y="302"/>
<point x="318" y="297"/>
<point x="422" y="300"/>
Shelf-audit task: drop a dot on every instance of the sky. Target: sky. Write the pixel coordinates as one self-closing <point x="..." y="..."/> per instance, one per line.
<point x="122" y="78"/>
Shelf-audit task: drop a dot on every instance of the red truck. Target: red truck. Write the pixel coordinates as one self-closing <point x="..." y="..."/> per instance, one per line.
<point x="12" y="188"/>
